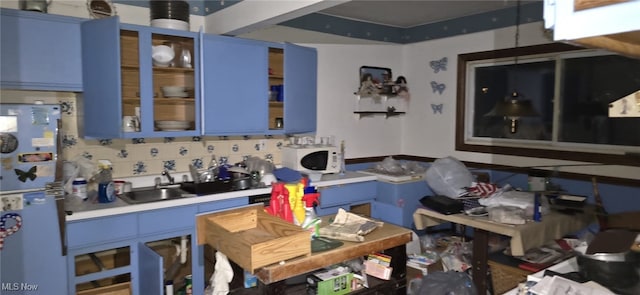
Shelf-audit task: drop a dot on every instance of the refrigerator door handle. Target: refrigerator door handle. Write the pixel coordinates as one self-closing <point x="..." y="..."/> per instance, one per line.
<point x="57" y="190"/>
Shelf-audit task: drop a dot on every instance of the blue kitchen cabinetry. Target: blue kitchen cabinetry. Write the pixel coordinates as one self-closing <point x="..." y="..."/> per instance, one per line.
<point x="390" y="202"/>
<point x="123" y="83"/>
<point x="345" y="196"/>
<point x="395" y="202"/>
<point x="135" y="240"/>
<point x="237" y="78"/>
<point x="40" y="51"/>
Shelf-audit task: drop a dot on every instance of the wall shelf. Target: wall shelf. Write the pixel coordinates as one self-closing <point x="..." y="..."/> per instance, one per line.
<point x="389" y="106"/>
<point x="372" y="113"/>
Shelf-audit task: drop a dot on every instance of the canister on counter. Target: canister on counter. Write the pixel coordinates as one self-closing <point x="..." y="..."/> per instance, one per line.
<point x="118" y="185"/>
<point x="79" y="188"/>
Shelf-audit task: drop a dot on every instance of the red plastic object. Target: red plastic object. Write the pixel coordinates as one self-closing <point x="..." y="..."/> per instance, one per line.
<point x="279" y="203"/>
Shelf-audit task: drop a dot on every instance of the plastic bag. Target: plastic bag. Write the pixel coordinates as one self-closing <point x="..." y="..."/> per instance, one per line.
<point x="450" y="283"/>
<point x="457" y="256"/>
<point x="508" y="197"/>
<point x="80" y="167"/>
<point x="449" y="177"/>
<point x="389" y="165"/>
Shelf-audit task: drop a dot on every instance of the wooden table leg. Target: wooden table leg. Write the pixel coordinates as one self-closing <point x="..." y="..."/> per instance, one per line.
<point x="480" y="255"/>
<point x="399" y="263"/>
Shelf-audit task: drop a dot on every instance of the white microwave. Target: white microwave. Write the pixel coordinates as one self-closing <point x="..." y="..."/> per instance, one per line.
<point x="322" y="159"/>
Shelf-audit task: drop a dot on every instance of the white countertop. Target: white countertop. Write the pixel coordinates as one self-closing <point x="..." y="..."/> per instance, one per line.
<point x="85" y="209"/>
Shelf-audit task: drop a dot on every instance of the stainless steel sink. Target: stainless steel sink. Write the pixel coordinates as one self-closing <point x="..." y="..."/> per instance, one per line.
<point x="152" y="194"/>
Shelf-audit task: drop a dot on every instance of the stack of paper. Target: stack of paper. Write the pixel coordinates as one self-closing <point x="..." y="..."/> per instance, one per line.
<point x="551" y="285"/>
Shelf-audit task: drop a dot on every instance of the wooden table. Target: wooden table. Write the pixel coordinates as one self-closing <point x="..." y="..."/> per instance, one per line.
<point x="523" y="237"/>
<point x="389" y="239"/>
<point x="386" y="237"/>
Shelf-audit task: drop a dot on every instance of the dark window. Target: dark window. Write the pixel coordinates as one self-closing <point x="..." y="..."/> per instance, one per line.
<point x="570" y="91"/>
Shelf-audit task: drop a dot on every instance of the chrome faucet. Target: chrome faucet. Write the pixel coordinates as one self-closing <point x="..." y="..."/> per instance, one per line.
<point x="165" y="172"/>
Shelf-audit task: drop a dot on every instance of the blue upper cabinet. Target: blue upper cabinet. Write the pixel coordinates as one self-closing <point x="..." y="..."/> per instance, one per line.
<point x="254" y="87"/>
<point x="300" y="89"/>
<point x="40" y="51"/>
<point x="130" y="94"/>
<point x="235" y="86"/>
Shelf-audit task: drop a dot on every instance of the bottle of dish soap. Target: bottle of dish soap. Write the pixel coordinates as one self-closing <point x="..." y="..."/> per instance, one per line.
<point x="106" y="187"/>
<point x="311" y="221"/>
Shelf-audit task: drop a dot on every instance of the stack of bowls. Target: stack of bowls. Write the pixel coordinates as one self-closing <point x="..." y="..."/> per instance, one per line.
<point x="174" y="91"/>
<point x="169" y="14"/>
<point x="173" y="125"/>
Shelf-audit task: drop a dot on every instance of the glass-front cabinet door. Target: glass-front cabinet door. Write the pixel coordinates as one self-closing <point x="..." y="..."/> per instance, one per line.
<point x="140" y="81"/>
<point x="276" y="88"/>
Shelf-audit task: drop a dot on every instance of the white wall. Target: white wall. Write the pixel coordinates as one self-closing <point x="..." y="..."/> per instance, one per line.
<point x="420" y="132"/>
<point x="338" y="79"/>
<point x="433" y="135"/>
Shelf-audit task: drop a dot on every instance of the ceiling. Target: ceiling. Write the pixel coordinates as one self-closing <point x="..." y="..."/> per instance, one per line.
<point x="395" y="21"/>
<point x="406" y="14"/>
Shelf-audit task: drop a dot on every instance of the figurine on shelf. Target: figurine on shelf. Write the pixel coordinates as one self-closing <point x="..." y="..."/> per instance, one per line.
<point x="367" y="86"/>
<point x="401" y="88"/>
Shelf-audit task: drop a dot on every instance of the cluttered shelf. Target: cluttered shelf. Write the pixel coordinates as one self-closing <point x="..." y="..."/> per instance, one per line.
<point x="299" y="286"/>
<point x="523" y="236"/>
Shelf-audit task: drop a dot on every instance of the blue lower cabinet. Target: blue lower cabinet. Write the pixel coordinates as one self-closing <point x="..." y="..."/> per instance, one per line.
<point x="150" y="272"/>
<point x="97" y="231"/>
<point x="397" y="201"/>
<point x="223" y="204"/>
<point x="346" y="194"/>
<point x="84" y="271"/>
<point x="389" y="213"/>
<point x="331" y="210"/>
<point x="166" y="220"/>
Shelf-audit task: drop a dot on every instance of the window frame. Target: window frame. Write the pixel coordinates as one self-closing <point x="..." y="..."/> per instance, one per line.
<point x="516" y="149"/>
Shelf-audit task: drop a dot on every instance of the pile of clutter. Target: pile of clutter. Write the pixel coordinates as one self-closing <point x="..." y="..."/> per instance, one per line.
<point x="449" y="177"/>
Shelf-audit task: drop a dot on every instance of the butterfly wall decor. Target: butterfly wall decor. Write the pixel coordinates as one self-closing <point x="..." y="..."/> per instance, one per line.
<point x="437" y="108"/>
<point x="439" y="65"/>
<point x="436" y="87"/>
<point x="23" y="176"/>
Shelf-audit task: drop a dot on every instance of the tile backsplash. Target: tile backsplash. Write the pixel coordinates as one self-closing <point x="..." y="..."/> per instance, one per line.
<point x="149" y="156"/>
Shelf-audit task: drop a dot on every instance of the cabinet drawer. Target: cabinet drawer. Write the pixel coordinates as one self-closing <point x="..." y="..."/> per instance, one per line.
<point x="223" y="204"/>
<point x="101" y="230"/>
<point x="347" y="194"/>
<point x="164" y="220"/>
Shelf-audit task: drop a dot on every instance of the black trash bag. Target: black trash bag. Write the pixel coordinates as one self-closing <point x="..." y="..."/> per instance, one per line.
<point x="447" y="283"/>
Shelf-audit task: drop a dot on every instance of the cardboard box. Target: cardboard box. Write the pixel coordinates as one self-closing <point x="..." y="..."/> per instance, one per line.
<point x="335" y="281"/>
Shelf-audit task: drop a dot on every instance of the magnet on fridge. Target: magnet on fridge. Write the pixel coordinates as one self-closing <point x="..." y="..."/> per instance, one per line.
<point x="11" y="202"/>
